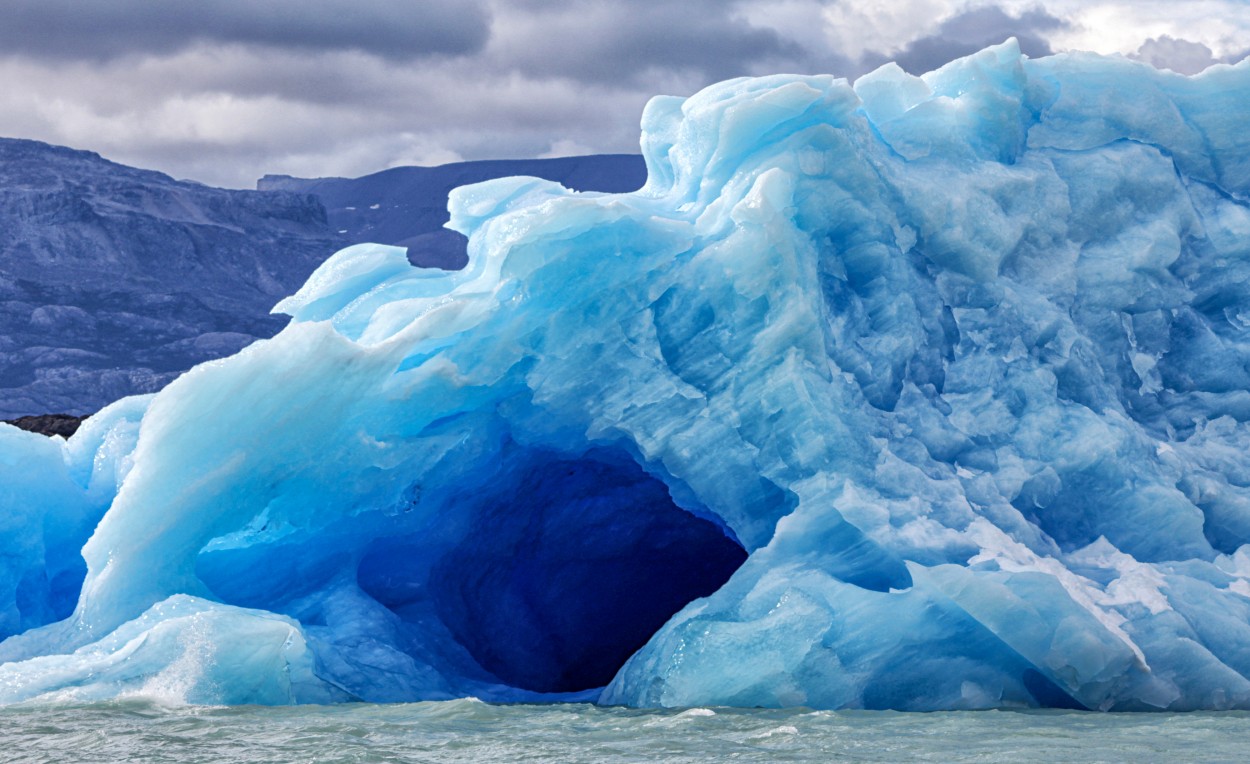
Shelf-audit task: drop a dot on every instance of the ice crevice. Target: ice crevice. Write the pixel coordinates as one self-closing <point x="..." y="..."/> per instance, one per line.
<point x="916" y="393"/>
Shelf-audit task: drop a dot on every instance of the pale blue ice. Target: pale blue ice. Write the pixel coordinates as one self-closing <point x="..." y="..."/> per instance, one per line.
<point x="959" y="363"/>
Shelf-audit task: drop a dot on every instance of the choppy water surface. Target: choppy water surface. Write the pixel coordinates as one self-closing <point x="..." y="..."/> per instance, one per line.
<point x="469" y="731"/>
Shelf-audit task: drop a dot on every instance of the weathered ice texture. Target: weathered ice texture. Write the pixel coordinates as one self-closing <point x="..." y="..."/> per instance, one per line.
<point x="916" y="393"/>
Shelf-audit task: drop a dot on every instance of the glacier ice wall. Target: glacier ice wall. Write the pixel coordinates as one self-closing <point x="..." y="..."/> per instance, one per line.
<point x="915" y="393"/>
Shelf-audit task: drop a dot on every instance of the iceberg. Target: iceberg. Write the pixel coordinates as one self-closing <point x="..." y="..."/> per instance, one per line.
<point x="913" y="393"/>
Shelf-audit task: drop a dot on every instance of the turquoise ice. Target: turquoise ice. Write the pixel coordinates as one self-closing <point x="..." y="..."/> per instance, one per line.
<point x="917" y="393"/>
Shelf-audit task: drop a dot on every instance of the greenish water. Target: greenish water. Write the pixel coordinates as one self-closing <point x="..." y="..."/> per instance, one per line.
<point x="469" y="731"/>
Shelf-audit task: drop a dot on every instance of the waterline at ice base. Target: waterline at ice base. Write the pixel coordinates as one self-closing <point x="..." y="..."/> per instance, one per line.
<point x="913" y="393"/>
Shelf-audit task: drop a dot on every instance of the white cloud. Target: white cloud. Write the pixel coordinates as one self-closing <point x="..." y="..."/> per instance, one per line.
<point x="858" y="28"/>
<point x="1122" y="27"/>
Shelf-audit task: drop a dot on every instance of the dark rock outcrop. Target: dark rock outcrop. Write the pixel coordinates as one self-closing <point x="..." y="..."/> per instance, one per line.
<point x="64" y="425"/>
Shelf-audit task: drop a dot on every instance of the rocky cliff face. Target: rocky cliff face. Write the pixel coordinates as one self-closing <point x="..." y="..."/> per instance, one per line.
<point x="114" y="280"/>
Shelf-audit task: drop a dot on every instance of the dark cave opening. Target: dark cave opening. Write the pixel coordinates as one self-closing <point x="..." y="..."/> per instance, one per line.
<point x="566" y="568"/>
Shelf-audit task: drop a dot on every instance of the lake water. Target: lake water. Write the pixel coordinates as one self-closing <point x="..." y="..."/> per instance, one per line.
<point x="470" y="731"/>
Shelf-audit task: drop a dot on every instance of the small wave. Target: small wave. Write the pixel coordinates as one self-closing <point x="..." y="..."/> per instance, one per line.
<point x="784" y="729"/>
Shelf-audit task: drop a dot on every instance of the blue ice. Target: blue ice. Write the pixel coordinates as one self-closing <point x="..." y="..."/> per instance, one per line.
<point x="913" y="392"/>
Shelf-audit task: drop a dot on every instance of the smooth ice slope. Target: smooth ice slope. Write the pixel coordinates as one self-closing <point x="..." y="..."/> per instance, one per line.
<point x="960" y="361"/>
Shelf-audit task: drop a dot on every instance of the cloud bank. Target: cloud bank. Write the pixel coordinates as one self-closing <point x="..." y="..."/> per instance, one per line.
<point x="224" y="91"/>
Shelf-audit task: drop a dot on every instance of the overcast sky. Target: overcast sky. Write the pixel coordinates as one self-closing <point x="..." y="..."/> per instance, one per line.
<point x="224" y="91"/>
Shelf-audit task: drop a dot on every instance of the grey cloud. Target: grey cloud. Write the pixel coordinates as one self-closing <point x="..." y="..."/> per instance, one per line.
<point x="227" y="116"/>
<point x="971" y="31"/>
<point x="223" y="92"/>
<point x="607" y="42"/>
<point x="104" y="29"/>
<point x="1181" y="56"/>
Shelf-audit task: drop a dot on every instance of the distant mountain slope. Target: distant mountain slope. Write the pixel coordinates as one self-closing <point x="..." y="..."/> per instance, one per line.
<point x="113" y="280"/>
<point x="407" y="206"/>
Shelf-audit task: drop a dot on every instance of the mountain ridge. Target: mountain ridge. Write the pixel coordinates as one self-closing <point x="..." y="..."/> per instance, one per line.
<point x="407" y="206"/>
<point x="116" y="279"/>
